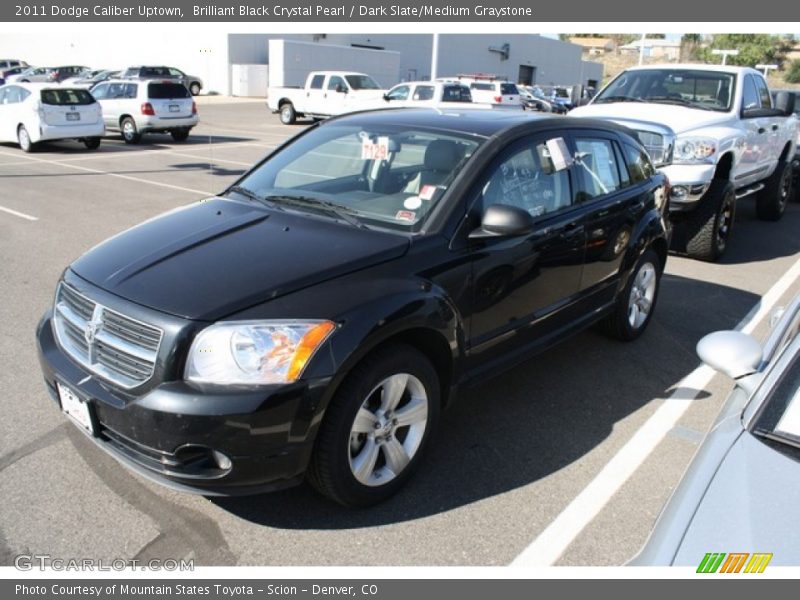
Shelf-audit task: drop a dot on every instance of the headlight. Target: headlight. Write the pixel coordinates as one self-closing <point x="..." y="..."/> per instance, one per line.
<point x="254" y="352"/>
<point x="694" y="150"/>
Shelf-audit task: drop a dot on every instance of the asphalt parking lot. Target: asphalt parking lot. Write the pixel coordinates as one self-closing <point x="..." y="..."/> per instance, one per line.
<point x="511" y="455"/>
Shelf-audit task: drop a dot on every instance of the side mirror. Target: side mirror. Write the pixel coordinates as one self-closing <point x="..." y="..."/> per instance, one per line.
<point x="502" y="220"/>
<point x="731" y="353"/>
<point x="785" y="102"/>
<point x="341" y="89"/>
<point x="387" y="97"/>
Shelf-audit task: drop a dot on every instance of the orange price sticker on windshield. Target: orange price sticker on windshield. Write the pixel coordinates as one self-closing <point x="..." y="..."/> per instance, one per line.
<point x="375" y="151"/>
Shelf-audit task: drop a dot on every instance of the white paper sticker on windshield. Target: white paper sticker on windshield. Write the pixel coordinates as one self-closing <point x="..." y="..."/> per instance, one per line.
<point x="412" y="203"/>
<point x="790" y="421"/>
<point x="375" y="151"/>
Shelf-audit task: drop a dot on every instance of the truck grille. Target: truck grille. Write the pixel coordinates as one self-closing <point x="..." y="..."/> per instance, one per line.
<point x="654" y="144"/>
<point x="109" y="344"/>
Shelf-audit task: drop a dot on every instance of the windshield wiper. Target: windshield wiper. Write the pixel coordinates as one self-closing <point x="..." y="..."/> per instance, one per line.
<point x="617" y="99"/>
<point x="251" y="195"/>
<point x="345" y="213"/>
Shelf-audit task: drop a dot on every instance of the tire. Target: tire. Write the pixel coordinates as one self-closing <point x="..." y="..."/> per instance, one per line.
<point x="288" y="114"/>
<point x="24" y="139"/>
<point x="772" y="200"/>
<point x="195" y="88"/>
<point x="637" y="301"/>
<point x="706" y="230"/>
<point x="130" y="133"/>
<point x="360" y="430"/>
<point x="92" y="143"/>
<point x="179" y="135"/>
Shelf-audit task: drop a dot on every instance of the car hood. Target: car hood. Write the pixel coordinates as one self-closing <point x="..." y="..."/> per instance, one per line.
<point x="217" y="257"/>
<point x="678" y="118"/>
<point x="749" y="506"/>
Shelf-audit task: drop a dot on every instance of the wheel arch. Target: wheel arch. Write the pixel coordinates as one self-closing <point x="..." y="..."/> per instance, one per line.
<point x="724" y="168"/>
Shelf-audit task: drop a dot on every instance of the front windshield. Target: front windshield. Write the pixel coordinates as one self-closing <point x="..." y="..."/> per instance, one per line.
<point x="362" y="82"/>
<point x="694" y="88"/>
<point x="382" y="175"/>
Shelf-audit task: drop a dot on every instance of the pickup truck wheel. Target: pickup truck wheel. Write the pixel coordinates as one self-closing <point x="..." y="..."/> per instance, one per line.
<point x="707" y="229"/>
<point x="288" y="115"/>
<point x="772" y="200"/>
<point x="637" y="301"/>
<point x="376" y="428"/>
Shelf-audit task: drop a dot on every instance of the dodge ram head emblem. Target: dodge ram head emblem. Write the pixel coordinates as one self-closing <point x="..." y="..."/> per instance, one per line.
<point x="92" y="329"/>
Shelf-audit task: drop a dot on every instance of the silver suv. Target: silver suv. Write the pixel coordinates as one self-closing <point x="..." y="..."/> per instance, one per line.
<point x="138" y="107"/>
<point x="192" y="82"/>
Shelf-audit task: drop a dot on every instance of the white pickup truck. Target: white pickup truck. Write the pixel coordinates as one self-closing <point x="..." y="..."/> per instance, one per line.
<point x="717" y="134"/>
<point x="325" y="94"/>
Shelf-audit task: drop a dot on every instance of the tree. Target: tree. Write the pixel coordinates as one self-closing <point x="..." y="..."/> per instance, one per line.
<point x="793" y="72"/>
<point x="754" y="48"/>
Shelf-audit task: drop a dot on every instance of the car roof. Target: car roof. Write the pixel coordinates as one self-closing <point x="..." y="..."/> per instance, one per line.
<point x="482" y="122"/>
<point x="695" y="67"/>
<point x="41" y="85"/>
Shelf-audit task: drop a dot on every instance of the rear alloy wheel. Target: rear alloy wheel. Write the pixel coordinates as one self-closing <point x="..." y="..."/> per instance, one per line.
<point x="130" y="134"/>
<point x="288" y="115"/>
<point x="636" y="303"/>
<point x="772" y="200"/>
<point x="194" y="88"/>
<point x="179" y="135"/>
<point x="92" y="143"/>
<point x="24" y="139"/>
<point x="376" y="428"/>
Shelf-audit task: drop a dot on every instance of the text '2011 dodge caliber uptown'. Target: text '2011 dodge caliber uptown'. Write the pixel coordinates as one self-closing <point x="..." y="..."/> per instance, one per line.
<point x="315" y="318"/>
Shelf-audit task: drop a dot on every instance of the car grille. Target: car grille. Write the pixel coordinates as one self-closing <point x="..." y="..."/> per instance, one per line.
<point x="115" y="347"/>
<point x="654" y="144"/>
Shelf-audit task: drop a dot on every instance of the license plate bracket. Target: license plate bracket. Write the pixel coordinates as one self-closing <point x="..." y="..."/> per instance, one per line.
<point x="78" y="409"/>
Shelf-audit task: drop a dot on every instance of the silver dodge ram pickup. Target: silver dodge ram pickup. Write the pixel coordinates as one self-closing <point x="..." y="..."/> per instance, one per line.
<point x="717" y="134"/>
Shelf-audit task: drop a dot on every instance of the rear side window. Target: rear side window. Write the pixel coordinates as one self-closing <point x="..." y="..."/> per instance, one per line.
<point x="598" y="165"/>
<point x="164" y="91"/>
<point x="482" y="86"/>
<point x="639" y="166"/>
<point x="63" y="97"/>
<point x="456" y="93"/>
<point x="508" y="89"/>
<point x="15" y="94"/>
<point x="423" y="92"/>
<point x="130" y="90"/>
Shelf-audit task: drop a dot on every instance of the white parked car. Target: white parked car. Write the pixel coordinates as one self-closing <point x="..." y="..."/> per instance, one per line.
<point x="135" y="107"/>
<point x="35" y="112"/>
<point x="503" y="93"/>
<point x="428" y="93"/>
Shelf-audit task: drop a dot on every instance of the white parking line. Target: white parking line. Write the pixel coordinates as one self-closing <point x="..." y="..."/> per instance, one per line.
<point x="551" y="543"/>
<point x="18" y="214"/>
<point x="117" y="175"/>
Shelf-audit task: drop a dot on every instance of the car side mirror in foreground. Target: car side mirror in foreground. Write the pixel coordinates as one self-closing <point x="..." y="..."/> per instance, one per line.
<point x="731" y="353"/>
<point x="502" y="220"/>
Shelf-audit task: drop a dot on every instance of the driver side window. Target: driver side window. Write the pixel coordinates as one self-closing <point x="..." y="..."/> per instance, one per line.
<point x="336" y="83"/>
<point x="527" y="178"/>
<point x="399" y="93"/>
<point x="750" y="97"/>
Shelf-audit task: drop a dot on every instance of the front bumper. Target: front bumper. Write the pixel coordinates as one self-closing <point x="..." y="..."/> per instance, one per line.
<point x="689" y="183"/>
<point x="220" y="441"/>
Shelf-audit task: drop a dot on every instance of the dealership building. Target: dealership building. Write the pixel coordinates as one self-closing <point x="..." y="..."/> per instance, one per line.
<point x="245" y="63"/>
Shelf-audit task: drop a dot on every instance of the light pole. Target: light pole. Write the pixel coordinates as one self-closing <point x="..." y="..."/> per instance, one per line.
<point x="434" y="56"/>
<point x="641" y="49"/>
<point x="725" y="54"/>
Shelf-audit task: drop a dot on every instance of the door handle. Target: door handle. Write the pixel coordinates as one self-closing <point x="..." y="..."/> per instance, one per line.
<point x="572" y="231"/>
<point x="774" y="128"/>
<point x="761" y="130"/>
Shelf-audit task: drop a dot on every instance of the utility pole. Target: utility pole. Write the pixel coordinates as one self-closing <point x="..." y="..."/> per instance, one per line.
<point x="434" y="56"/>
<point x="725" y="54"/>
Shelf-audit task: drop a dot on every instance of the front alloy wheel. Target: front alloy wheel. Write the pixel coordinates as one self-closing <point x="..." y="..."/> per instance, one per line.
<point x="388" y="429"/>
<point x="376" y="427"/>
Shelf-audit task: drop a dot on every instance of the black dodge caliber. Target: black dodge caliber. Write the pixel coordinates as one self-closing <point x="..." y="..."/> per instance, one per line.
<point x="313" y="320"/>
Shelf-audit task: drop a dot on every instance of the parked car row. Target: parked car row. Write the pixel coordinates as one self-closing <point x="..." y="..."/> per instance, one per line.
<point x="31" y="113"/>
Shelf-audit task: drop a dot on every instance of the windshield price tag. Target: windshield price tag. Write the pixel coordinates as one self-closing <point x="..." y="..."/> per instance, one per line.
<point x="375" y="151"/>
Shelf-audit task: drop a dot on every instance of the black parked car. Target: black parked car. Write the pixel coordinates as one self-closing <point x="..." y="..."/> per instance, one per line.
<point x="316" y="317"/>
